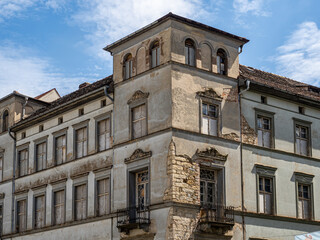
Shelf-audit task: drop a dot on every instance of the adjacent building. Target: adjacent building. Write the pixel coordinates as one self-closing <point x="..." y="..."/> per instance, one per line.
<point x="181" y="142"/>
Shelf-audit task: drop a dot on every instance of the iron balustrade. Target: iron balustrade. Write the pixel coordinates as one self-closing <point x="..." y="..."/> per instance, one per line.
<point x="133" y="217"/>
<point x="215" y="213"/>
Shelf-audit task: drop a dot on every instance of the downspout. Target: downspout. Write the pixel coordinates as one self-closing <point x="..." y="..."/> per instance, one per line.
<point x="241" y="155"/>
<point x="13" y="178"/>
<point x="24" y="107"/>
<point x="112" y="116"/>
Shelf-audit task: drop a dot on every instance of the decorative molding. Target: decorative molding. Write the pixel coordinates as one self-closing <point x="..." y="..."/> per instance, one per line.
<point x="138" y="154"/>
<point x="138" y="95"/>
<point x="303" y="177"/>
<point x="209" y="93"/>
<point x="211" y="153"/>
<point x="265" y="170"/>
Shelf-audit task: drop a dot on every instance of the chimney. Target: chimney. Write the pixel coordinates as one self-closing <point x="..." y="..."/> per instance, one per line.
<point x="85" y="84"/>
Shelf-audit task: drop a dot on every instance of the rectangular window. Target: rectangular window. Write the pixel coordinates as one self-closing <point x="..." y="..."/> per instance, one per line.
<point x="39" y="211"/>
<point x="265" y="195"/>
<point x="103" y="203"/>
<point x="104" y="134"/>
<point x="142" y="189"/>
<point x="21" y="215"/>
<point x="209" y="119"/>
<point x="304" y="201"/>
<point x="58" y="207"/>
<point x="41" y="156"/>
<point x="139" y="121"/>
<point x="264" y="131"/>
<point x="61" y="149"/>
<point x="23" y="162"/>
<point x="81" y="142"/>
<point x="80" y="202"/>
<point x="302" y="140"/>
<point x="208" y="187"/>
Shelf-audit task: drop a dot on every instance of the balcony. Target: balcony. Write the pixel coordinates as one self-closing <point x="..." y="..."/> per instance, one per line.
<point x="216" y="218"/>
<point x="133" y="218"/>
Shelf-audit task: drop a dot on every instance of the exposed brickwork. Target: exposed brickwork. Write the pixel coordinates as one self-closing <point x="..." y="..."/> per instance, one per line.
<point x="248" y="133"/>
<point x="231" y="136"/>
<point x="230" y="94"/>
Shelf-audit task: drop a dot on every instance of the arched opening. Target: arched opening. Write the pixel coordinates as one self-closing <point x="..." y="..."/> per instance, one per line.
<point x="189" y="50"/>
<point x="222" y="63"/>
<point x="5" y="121"/>
<point x="155" y="54"/>
<point x="127" y="66"/>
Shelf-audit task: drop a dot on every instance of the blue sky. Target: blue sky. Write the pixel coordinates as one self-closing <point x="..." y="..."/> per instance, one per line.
<point x="58" y="43"/>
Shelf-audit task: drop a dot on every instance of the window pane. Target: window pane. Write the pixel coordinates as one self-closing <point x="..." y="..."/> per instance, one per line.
<point x="267" y="184"/>
<point x="266" y="139"/>
<point x="191" y="56"/>
<point x="80" y="202"/>
<point x="205" y="125"/>
<point x="260" y="137"/>
<point x="306" y="209"/>
<point x="154" y="57"/>
<point x="303" y="147"/>
<point x="39" y="211"/>
<point x="261" y="202"/>
<point x="268" y="203"/>
<point x="59" y="207"/>
<point x="213" y="127"/>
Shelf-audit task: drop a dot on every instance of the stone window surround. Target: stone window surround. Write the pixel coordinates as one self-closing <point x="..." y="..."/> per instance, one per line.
<point x="99" y="118"/>
<point x="77" y="181"/>
<point x="135" y="167"/>
<point x="210" y="101"/>
<point x="55" y="135"/>
<point x="19" y="149"/>
<point x="306" y="124"/>
<point x="2" y="167"/>
<point x="100" y="175"/>
<point x="269" y="172"/>
<point x="264" y="113"/>
<point x="306" y="179"/>
<point x="56" y="187"/>
<point x="37" y="192"/>
<point x="20" y="197"/>
<point x="76" y="127"/>
<point x="137" y="103"/>
<point x="36" y="142"/>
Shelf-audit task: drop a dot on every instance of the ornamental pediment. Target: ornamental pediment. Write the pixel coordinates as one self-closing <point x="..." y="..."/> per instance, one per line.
<point x="209" y="93"/>
<point x="137" y="155"/>
<point x="138" y="95"/>
<point x="211" y="154"/>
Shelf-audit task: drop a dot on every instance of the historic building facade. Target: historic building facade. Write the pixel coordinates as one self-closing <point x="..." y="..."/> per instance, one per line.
<point x="181" y="142"/>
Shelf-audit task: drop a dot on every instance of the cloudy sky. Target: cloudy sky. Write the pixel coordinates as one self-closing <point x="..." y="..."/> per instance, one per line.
<point x="58" y="43"/>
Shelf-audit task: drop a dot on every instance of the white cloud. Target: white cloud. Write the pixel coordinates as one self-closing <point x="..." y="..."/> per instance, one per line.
<point x="30" y="75"/>
<point x="107" y="20"/>
<point x="299" y="56"/>
<point x="256" y="7"/>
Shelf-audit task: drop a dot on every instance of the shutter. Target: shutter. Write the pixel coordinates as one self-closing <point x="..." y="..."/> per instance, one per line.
<point x="218" y="64"/>
<point x="298" y="147"/>
<point x="191" y="57"/>
<point x="268" y="203"/>
<point x="205" y="125"/>
<point x="300" y="211"/>
<point x="306" y="209"/>
<point x="266" y="139"/>
<point x="260" y="141"/>
<point x="261" y="202"/>
<point x="303" y="147"/>
<point x="213" y="129"/>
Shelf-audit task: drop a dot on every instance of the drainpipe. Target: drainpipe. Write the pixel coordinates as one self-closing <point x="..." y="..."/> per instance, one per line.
<point x="24" y="107"/>
<point x="112" y="116"/>
<point x="13" y="177"/>
<point x="247" y="82"/>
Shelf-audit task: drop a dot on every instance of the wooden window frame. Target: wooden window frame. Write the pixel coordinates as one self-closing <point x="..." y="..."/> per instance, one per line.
<point x="222" y="54"/>
<point x="190" y="44"/>
<point x="306" y="124"/>
<point x="79" y="181"/>
<point x="131" y="107"/>
<point x="18" y="199"/>
<point x="54" y="191"/>
<point x="307" y="180"/>
<point x="43" y="140"/>
<point x="98" y="119"/>
<point x="76" y="127"/>
<point x="35" y="196"/>
<point x="5" y="120"/>
<point x="128" y="59"/>
<point x="155" y="46"/>
<point x="266" y="172"/>
<point x="217" y="104"/>
<point x="20" y="149"/>
<point x="270" y="116"/>
<point x="56" y="135"/>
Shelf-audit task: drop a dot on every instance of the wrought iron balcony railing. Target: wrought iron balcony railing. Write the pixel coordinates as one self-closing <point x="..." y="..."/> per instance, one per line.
<point x="214" y="213"/>
<point x="133" y="217"/>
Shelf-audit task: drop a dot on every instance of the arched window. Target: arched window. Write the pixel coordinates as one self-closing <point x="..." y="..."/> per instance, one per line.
<point x="155" y="54"/>
<point x="5" y="121"/>
<point x="222" y="62"/>
<point x="189" y="51"/>
<point x="127" y="66"/>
